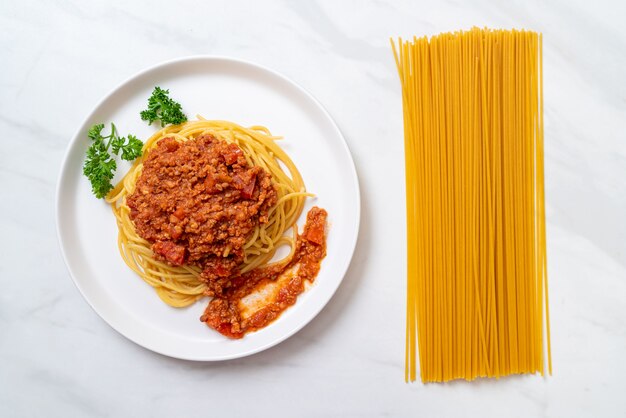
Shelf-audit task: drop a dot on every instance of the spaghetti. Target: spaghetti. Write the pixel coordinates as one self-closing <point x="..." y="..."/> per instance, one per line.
<point x="477" y="290"/>
<point x="182" y="285"/>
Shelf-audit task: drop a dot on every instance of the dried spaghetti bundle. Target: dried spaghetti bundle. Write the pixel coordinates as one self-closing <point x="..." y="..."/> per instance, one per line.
<point x="477" y="292"/>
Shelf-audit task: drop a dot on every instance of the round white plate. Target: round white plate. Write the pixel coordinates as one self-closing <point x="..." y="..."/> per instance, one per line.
<point x="216" y="88"/>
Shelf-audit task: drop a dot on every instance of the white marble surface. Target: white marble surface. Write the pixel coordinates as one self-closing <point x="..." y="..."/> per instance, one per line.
<point x="59" y="359"/>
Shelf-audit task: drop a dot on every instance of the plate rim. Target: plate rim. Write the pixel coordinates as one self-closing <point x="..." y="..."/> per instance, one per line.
<point x="176" y="61"/>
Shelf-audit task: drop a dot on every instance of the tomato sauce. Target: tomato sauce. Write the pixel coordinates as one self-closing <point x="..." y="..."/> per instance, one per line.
<point x="237" y="312"/>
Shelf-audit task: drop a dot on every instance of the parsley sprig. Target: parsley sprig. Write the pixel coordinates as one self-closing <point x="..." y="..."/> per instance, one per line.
<point x="162" y="107"/>
<point x="99" y="165"/>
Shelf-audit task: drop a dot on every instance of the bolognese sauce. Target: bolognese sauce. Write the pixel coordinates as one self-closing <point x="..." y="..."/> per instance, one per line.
<point x="197" y="202"/>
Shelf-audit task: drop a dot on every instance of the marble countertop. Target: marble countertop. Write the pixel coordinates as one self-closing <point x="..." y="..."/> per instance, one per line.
<point x="59" y="359"/>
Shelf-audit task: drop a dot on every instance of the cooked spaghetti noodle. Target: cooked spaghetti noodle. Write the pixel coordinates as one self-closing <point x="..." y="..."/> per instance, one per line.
<point x="477" y="292"/>
<point x="180" y="286"/>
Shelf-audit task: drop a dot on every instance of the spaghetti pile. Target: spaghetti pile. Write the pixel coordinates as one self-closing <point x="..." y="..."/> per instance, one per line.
<point x="182" y="285"/>
<point x="477" y="291"/>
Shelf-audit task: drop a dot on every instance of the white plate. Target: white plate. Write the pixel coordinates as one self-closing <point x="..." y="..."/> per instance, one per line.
<point x="216" y="88"/>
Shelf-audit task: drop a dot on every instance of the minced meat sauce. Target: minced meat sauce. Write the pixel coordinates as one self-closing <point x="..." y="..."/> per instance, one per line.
<point x="196" y="202"/>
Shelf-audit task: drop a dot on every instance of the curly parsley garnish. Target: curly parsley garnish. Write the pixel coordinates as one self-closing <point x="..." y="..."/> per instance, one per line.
<point x="162" y="107"/>
<point x="99" y="165"/>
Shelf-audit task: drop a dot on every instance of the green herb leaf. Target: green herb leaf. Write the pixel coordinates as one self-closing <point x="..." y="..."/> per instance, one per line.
<point x="117" y="143"/>
<point x="99" y="166"/>
<point x="162" y="107"/>
<point x="132" y="149"/>
<point x="95" y="131"/>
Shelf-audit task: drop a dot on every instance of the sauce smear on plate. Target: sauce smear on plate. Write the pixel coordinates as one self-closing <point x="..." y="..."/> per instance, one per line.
<point x="258" y="297"/>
